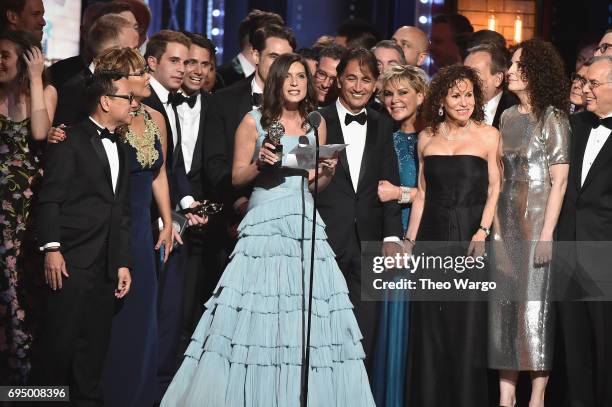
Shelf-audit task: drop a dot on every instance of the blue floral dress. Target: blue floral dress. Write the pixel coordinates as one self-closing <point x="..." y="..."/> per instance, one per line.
<point x="19" y="171"/>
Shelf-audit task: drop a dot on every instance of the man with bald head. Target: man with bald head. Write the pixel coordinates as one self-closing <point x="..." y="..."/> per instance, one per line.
<point x="586" y="216"/>
<point x="414" y="43"/>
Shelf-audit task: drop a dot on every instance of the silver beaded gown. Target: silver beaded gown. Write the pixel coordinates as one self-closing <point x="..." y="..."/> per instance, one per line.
<point x="521" y="333"/>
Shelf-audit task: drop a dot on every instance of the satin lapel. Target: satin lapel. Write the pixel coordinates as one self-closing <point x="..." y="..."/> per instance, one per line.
<point x="581" y="137"/>
<point x="122" y="167"/>
<point x="96" y="142"/>
<point x="605" y="154"/>
<point x="368" y="149"/>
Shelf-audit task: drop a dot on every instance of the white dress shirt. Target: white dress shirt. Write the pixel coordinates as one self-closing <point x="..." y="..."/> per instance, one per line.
<point x="112" y="154"/>
<point x="355" y="137"/>
<point x="490" y="108"/>
<point x="247" y="67"/>
<point x="190" y="127"/>
<point x="596" y="140"/>
<point x="163" y="94"/>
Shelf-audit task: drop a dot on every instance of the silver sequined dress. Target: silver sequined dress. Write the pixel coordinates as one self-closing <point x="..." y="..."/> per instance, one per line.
<point x="521" y="333"/>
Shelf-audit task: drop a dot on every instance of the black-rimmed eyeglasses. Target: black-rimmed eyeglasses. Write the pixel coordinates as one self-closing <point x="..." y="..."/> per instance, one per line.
<point x="129" y="97"/>
<point x="603" y="47"/>
<point x="143" y="71"/>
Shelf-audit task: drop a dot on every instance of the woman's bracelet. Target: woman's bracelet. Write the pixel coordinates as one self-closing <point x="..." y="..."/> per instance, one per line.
<point x="407" y="239"/>
<point x="404" y="195"/>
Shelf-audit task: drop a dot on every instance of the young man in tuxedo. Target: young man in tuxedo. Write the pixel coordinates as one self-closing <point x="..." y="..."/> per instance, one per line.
<point x="166" y="54"/>
<point x="349" y="205"/>
<point x="107" y="32"/>
<point x="226" y="109"/>
<point x="243" y="65"/>
<point x="586" y="217"/>
<point x="491" y="64"/>
<point x="84" y="229"/>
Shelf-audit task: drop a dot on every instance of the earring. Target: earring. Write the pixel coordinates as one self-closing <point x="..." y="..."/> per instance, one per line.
<point x="440" y="111"/>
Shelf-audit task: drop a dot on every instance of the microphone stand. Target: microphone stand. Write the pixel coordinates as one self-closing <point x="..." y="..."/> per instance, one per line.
<point x="306" y="356"/>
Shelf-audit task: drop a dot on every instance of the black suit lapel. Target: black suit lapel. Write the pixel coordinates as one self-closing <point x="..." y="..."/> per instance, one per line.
<point x="370" y="145"/>
<point x="507" y="100"/>
<point x="96" y="142"/>
<point x="604" y="155"/>
<point x="581" y="137"/>
<point x="122" y="167"/>
<point x="196" y="161"/>
<point x="244" y="104"/>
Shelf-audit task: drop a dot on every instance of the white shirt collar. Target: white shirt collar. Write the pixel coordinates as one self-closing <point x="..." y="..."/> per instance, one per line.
<point x="255" y="87"/>
<point x="247" y="67"/>
<point x="97" y="124"/>
<point x="342" y="111"/>
<point x="91" y="67"/>
<point x="491" y="107"/>
<point x="160" y="90"/>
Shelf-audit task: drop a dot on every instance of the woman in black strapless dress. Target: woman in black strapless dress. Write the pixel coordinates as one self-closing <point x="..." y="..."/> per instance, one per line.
<point x="459" y="181"/>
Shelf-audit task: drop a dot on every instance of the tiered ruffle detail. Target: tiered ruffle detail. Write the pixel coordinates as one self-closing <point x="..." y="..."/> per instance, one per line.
<point x="246" y="349"/>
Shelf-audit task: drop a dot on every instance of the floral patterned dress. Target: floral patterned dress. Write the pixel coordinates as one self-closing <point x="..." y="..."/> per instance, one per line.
<point x="20" y="169"/>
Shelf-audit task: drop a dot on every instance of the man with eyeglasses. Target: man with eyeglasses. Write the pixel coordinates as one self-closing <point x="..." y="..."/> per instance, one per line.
<point x="587" y="217"/>
<point x="605" y="45"/>
<point x="325" y="75"/>
<point x="577" y="98"/>
<point x="84" y="230"/>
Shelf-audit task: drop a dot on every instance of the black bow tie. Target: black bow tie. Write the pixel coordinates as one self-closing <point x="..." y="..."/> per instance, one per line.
<point x="359" y="118"/>
<point x="606" y="122"/>
<point x="178" y="98"/>
<point x="256" y="99"/>
<point x="105" y="133"/>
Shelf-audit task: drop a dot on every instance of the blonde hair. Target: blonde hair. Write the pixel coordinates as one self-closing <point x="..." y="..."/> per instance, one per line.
<point x="120" y="60"/>
<point x="414" y="76"/>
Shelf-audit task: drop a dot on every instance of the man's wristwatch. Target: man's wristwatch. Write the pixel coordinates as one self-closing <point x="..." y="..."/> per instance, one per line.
<point x="486" y="230"/>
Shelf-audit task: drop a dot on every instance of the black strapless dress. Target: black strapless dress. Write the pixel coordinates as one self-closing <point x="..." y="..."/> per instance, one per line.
<point x="447" y="363"/>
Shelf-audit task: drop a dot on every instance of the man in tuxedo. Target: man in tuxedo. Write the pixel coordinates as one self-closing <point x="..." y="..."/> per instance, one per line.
<point x="414" y="43"/>
<point x="586" y="216"/>
<point x="28" y="15"/>
<point x="491" y="64"/>
<point x="84" y="229"/>
<point x="349" y="205"/>
<point x="107" y="32"/>
<point x="166" y="54"/>
<point x="243" y="65"/>
<point x="204" y="258"/>
<point x="62" y="71"/>
<point x="325" y="75"/>
<point x="226" y="110"/>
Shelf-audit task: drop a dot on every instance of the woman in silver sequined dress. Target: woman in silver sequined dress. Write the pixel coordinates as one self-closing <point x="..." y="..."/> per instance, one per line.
<point x="535" y="157"/>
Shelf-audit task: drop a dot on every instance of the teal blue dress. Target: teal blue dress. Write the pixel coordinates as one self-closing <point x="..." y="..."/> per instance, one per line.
<point x="246" y="349"/>
<point x="391" y="353"/>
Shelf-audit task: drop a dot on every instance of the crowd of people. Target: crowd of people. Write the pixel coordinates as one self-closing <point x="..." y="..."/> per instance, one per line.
<point x="116" y="282"/>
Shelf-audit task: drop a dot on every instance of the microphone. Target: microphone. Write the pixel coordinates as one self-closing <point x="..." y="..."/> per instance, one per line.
<point x="314" y="119"/>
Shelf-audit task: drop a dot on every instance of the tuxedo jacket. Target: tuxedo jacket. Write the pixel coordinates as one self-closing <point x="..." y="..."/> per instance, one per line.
<point x="61" y="71"/>
<point x="508" y="99"/>
<point x="71" y="95"/>
<point x="586" y="214"/>
<point x="347" y="212"/>
<point x="226" y="109"/>
<point x="76" y="203"/>
<point x="199" y="184"/>
<point x="231" y="72"/>
<point x="175" y="167"/>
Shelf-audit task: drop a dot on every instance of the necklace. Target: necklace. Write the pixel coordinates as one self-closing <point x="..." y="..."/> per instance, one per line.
<point x="444" y="132"/>
<point x="144" y="144"/>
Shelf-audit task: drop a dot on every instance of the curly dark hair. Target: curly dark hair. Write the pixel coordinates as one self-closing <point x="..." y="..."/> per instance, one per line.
<point x="272" y="103"/>
<point x="542" y="68"/>
<point x="445" y="79"/>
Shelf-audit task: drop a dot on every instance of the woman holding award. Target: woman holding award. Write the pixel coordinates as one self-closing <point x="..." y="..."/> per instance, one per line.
<point x="247" y="348"/>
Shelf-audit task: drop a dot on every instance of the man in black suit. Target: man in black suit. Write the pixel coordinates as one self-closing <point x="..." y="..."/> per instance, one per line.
<point x="491" y="64"/>
<point x="243" y="65"/>
<point x="226" y="110"/>
<point x="586" y="216"/>
<point x="349" y="205"/>
<point x="107" y="32"/>
<point x="166" y="54"/>
<point x="84" y="229"/>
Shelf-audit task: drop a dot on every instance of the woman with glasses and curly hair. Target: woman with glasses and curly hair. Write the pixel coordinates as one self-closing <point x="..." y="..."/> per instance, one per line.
<point x="458" y="187"/>
<point x="27" y="106"/>
<point x="535" y="157"/>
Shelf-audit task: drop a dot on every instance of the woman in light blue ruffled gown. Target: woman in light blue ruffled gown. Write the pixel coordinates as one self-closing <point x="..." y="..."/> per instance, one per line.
<point x="247" y="347"/>
<point x="403" y="91"/>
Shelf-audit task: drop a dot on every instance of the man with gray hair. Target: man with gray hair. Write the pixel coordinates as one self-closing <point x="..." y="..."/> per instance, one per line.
<point x="388" y="53"/>
<point x="586" y="216"/>
<point x="491" y="64"/>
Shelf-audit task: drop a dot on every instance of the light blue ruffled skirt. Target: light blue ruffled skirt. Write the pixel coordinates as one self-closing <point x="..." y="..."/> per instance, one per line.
<point x="246" y="349"/>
